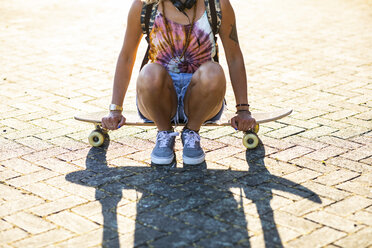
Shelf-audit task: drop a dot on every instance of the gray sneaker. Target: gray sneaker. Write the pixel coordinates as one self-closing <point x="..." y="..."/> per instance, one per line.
<point x="192" y="152"/>
<point x="163" y="153"/>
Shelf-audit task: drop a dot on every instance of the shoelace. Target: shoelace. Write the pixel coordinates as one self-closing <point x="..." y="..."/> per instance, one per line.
<point x="191" y="137"/>
<point x="164" y="138"/>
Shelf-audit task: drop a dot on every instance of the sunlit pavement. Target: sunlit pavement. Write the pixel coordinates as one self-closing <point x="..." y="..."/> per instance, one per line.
<point x="307" y="186"/>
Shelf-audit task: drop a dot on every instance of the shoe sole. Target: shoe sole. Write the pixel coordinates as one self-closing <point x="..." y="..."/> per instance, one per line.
<point x="162" y="160"/>
<point x="193" y="161"/>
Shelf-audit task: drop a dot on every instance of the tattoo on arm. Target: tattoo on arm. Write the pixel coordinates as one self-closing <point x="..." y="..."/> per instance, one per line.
<point x="234" y="33"/>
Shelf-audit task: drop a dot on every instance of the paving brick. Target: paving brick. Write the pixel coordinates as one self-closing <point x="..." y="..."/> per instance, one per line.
<point x="21" y="203"/>
<point x="319" y="238"/>
<point x="302" y="176"/>
<point x="349" y="164"/>
<point x="12" y="235"/>
<point x="362" y="217"/>
<point x="367" y="161"/>
<point x="275" y="143"/>
<point x="29" y="222"/>
<point x="7" y="144"/>
<point x="72" y="222"/>
<point x="89" y="239"/>
<point x="44" y="191"/>
<point x="10" y="154"/>
<point x="359" y="153"/>
<point x="341" y="114"/>
<point x="325" y="153"/>
<point x="279" y="168"/>
<point x="305" y="206"/>
<point x="319" y="166"/>
<point x="31" y="178"/>
<point x="336" y="177"/>
<point x="5" y="225"/>
<point x="57" y="206"/>
<point x="297" y="140"/>
<point x="333" y="221"/>
<point x="358" y="122"/>
<point x="317" y="132"/>
<point x="61" y="183"/>
<point x="326" y="191"/>
<point x="219" y="154"/>
<point x="349" y="205"/>
<point x="37" y="156"/>
<point x="359" y="239"/>
<point x="56" y="165"/>
<point x="218" y="132"/>
<point x="60" y="132"/>
<point x="6" y="174"/>
<point x="67" y="142"/>
<point x="342" y="143"/>
<point x="351" y="132"/>
<point x="300" y="225"/>
<point x="35" y="143"/>
<point x="16" y="124"/>
<point x="327" y="123"/>
<point x="285" y="132"/>
<point x="88" y="209"/>
<point x="74" y="155"/>
<point x="48" y="238"/>
<point x="357" y="187"/>
<point x="292" y="153"/>
<point x="299" y="123"/>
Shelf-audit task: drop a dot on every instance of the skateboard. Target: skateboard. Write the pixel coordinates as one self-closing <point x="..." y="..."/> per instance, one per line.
<point x="250" y="138"/>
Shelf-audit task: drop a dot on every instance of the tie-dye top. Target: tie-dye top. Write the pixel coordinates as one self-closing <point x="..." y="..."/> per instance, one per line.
<point x="202" y="46"/>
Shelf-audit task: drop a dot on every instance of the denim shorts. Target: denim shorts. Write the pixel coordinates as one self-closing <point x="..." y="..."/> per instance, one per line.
<point x="181" y="81"/>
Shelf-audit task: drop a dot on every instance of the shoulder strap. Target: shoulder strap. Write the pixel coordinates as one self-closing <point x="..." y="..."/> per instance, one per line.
<point x="214" y="16"/>
<point x="147" y="22"/>
<point x="148" y="17"/>
<point x="213" y="9"/>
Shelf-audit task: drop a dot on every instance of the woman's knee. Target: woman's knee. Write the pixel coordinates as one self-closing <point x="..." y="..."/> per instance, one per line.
<point x="153" y="77"/>
<point x="211" y="77"/>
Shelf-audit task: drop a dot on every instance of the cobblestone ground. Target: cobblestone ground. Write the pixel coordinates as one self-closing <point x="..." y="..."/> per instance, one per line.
<point x="307" y="186"/>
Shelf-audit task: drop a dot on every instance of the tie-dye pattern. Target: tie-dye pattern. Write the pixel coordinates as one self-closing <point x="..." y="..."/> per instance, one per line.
<point x="202" y="46"/>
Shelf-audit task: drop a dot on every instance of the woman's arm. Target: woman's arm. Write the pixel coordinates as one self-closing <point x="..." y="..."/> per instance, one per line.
<point x="229" y="37"/>
<point x="125" y="65"/>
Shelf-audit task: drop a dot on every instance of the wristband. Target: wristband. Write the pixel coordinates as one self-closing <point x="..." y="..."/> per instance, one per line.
<point x="243" y="110"/>
<point x="114" y="107"/>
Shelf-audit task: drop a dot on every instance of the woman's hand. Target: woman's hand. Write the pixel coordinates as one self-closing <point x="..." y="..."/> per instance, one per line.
<point x="243" y="121"/>
<point x="113" y="121"/>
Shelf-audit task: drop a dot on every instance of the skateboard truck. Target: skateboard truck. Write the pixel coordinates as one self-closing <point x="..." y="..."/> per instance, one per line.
<point x="97" y="137"/>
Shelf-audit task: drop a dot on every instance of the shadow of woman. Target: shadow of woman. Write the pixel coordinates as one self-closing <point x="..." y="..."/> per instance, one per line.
<point x="184" y="207"/>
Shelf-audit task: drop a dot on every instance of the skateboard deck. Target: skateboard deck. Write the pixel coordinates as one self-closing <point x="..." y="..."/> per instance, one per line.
<point x="250" y="139"/>
<point x="132" y="118"/>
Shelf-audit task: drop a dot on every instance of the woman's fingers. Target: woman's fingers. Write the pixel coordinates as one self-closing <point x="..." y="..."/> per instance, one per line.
<point x="113" y="122"/>
<point x="243" y="124"/>
<point x="234" y="123"/>
<point x="122" y="122"/>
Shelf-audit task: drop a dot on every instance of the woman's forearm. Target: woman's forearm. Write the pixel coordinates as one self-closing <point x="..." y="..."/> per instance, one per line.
<point x="238" y="79"/>
<point x="122" y="77"/>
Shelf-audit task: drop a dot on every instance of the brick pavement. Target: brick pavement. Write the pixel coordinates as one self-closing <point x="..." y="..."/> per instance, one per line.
<point x="307" y="186"/>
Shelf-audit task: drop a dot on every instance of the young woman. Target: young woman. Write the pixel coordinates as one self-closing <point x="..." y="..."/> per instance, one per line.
<point x="181" y="83"/>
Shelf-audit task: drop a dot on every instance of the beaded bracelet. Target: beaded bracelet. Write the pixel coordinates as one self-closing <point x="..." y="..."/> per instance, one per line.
<point x="242" y="105"/>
